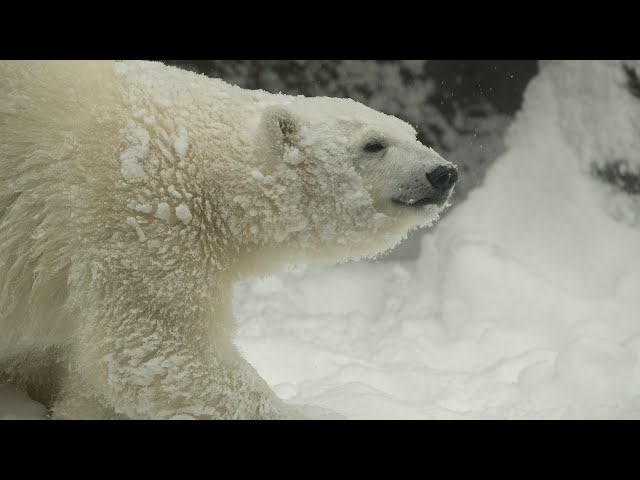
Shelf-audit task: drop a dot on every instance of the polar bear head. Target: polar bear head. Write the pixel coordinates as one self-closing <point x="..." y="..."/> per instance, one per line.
<point x="346" y="179"/>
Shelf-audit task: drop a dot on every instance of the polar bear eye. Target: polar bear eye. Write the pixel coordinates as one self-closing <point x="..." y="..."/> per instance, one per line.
<point x="374" y="146"/>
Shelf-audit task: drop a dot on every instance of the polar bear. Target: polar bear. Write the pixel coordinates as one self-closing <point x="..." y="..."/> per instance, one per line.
<point x="133" y="195"/>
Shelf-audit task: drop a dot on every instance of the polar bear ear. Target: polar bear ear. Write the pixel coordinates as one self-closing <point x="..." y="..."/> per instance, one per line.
<point x="280" y="128"/>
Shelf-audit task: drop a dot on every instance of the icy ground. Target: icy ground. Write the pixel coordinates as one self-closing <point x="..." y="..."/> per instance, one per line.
<point x="525" y="302"/>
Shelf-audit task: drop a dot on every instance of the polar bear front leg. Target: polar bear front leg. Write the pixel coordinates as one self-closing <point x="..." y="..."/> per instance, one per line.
<point x="143" y="370"/>
<point x="76" y="402"/>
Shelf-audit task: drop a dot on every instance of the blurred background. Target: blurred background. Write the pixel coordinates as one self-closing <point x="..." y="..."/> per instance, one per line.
<point x="460" y="108"/>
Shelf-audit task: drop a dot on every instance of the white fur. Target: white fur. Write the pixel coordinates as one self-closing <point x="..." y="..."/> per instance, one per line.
<point x="132" y="196"/>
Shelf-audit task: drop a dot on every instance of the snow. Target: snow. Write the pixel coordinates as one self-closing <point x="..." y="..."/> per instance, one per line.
<point x="163" y="211"/>
<point x="183" y="213"/>
<point x="131" y="169"/>
<point x="181" y="145"/>
<point x="257" y="174"/>
<point x="172" y="190"/>
<point x="137" y="149"/>
<point x="132" y="222"/>
<point x="140" y="207"/>
<point x="523" y="304"/>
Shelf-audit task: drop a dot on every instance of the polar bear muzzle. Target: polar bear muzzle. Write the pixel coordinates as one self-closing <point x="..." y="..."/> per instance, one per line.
<point x="441" y="182"/>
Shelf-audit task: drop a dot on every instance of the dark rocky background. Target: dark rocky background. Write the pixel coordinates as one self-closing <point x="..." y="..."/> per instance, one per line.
<point x="460" y="108"/>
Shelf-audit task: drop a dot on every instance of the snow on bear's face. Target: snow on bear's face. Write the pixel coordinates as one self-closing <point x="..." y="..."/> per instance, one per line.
<point x="349" y="179"/>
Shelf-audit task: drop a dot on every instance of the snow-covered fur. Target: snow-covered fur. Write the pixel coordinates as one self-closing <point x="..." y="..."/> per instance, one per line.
<point x="133" y="195"/>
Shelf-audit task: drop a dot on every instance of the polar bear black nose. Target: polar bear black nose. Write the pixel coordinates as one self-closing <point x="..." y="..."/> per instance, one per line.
<point x="442" y="177"/>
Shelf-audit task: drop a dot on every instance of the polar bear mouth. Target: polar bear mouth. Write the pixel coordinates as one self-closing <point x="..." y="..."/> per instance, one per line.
<point x="428" y="200"/>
